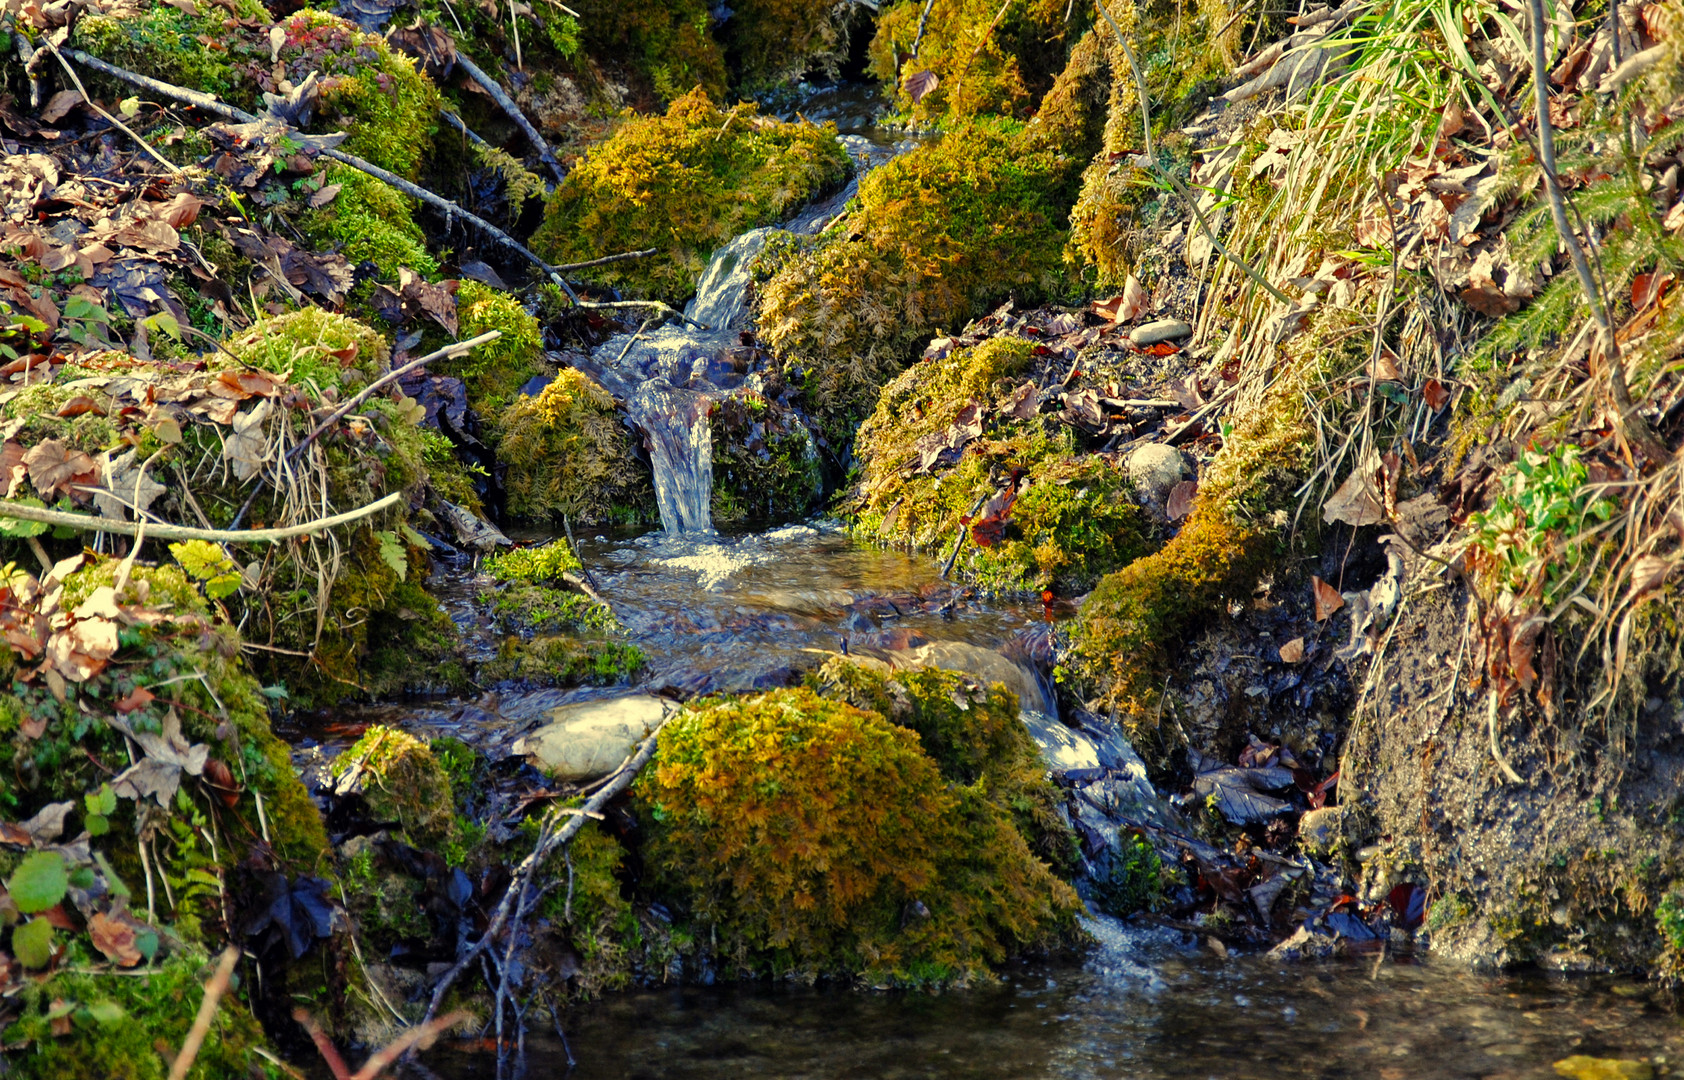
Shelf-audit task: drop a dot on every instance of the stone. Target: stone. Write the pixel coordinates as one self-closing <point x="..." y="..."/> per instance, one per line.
<point x="1319" y="830"/>
<point x="984" y="665"/>
<point x="589" y="739"/>
<point x="1154" y="469"/>
<point x="1161" y="330"/>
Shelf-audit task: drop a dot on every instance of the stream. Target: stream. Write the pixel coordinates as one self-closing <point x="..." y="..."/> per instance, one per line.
<point x="737" y="612"/>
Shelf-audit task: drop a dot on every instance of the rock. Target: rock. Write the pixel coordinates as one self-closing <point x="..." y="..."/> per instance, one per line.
<point x="983" y="664"/>
<point x="1155" y="469"/>
<point x="1319" y="830"/>
<point x="589" y="739"/>
<point x="1161" y="330"/>
<point x="1581" y="1067"/>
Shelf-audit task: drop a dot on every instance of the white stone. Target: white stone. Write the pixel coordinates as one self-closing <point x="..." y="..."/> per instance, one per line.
<point x="589" y="739"/>
<point x="1162" y="330"/>
<point x="1155" y="468"/>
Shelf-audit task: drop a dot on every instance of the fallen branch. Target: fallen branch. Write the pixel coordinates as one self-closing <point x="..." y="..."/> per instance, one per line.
<point x="550" y="837"/>
<point x="214" y="989"/>
<point x="964" y="531"/>
<point x="438" y="202"/>
<point x="165" y="531"/>
<point x="493" y="88"/>
<point x="606" y="259"/>
<point x="92" y="104"/>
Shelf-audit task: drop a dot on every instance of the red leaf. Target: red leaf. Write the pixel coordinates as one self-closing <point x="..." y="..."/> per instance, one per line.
<point x="989" y="528"/>
<point x="1328" y="599"/>
<point x="1436" y="395"/>
<point x="138" y="698"/>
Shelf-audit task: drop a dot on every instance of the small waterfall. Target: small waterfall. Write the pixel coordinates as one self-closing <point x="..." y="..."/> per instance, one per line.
<point x="681" y="449"/>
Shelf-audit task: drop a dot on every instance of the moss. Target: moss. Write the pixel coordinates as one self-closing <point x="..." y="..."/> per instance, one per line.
<point x="369" y="221"/>
<point x="542" y="563"/>
<point x="1127" y="628"/>
<point x="164" y="42"/>
<point x="667" y="42"/>
<point x="1133" y="880"/>
<point x="989" y="60"/>
<point x="448" y="475"/>
<point x="568" y="454"/>
<point x="494" y="372"/>
<point x="976" y="736"/>
<point x="810" y="837"/>
<point x="768" y="42"/>
<point x="311" y="345"/>
<point x="1073" y="519"/>
<point x="537" y="609"/>
<point x="385" y="901"/>
<point x="128" y="1028"/>
<point x="936" y="234"/>
<point x="402" y="783"/>
<point x="600" y="923"/>
<point x="765" y="464"/>
<point x="685" y="183"/>
<point x="563" y="660"/>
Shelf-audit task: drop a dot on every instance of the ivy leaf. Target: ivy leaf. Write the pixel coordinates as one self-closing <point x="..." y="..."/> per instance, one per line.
<point x="32" y="943"/>
<point x="393" y="553"/>
<point x="38" y="883"/>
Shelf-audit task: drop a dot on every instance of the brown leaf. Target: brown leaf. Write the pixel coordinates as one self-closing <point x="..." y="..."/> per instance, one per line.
<point x="180" y="211"/>
<point x="138" y="698"/>
<point x="1293" y="651"/>
<point x="222" y="780"/>
<point x="324" y="196"/>
<point x="53" y="466"/>
<point x="114" y="939"/>
<point x="244" y="385"/>
<point x="437" y="301"/>
<point x="989" y="527"/>
<point x="1354" y="503"/>
<point x="1648" y="574"/>
<point x="1647" y="288"/>
<point x="1328" y="599"/>
<point x="79" y="405"/>
<point x="1180" y="502"/>
<point x="60" y="104"/>
<point x="920" y="84"/>
<point x="150" y="235"/>
<point x="1023" y="404"/>
<point x="1437" y="397"/>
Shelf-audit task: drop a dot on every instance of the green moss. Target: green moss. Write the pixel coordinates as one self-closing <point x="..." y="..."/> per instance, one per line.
<point x="989" y="60"/>
<point x="666" y="42"/>
<point x="544" y="563"/>
<point x="569" y="454"/>
<point x="494" y="372"/>
<point x="369" y="221"/>
<point x="129" y="1027"/>
<point x="810" y="837"/>
<point x="768" y="42"/>
<point x="303" y="345"/>
<point x="563" y="660"/>
<point x="384" y="900"/>
<point x="402" y="783"/>
<point x="936" y="234"/>
<point x="600" y="923"/>
<point x="685" y="183"/>
<point x="765" y="465"/>
<point x="448" y="475"/>
<point x="1133" y="880"/>
<point x="528" y="609"/>
<point x="164" y="42"/>
<point x="976" y="736"/>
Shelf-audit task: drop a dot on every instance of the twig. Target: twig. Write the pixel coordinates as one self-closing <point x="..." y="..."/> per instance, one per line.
<point x="583" y="586"/>
<point x="1203" y="414"/>
<point x="964" y="531"/>
<point x="976" y="52"/>
<point x="456" y="122"/>
<point x="1632" y="427"/>
<point x="567" y="527"/>
<point x="214" y="989"/>
<point x="419" y="1037"/>
<point x="89" y="523"/>
<point x="549" y="838"/>
<point x="88" y="100"/>
<point x="324" y="1045"/>
<point x="1491" y="723"/>
<point x="606" y="259"/>
<point x="918" y="38"/>
<point x="493" y="88"/>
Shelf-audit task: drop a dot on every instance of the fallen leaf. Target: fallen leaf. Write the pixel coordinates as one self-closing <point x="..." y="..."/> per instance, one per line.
<point x="989" y="527"/>
<point x="324" y="196"/>
<point x="114" y="939"/>
<point x="53" y="467"/>
<point x="920" y="84"/>
<point x="1293" y="651"/>
<point x="1354" y="503"/>
<point x="1328" y="599"/>
<point x="60" y="104"/>
<point x="1180" y="502"/>
<point x="248" y="447"/>
<point x="1436" y="396"/>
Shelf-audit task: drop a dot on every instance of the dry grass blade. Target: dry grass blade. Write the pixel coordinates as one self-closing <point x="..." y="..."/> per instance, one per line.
<point x="214" y="989"/>
<point x="419" y="1037"/>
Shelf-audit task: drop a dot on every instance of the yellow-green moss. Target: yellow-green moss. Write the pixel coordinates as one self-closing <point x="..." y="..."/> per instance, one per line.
<point x="494" y="372"/>
<point x="1073" y="519"/>
<point x="563" y="660"/>
<point x="685" y="183"/>
<point x="985" y="67"/>
<point x="808" y="836"/>
<point x="543" y="563"/>
<point x="765" y="464"/>
<point x="975" y="735"/>
<point x="402" y="784"/>
<point x="569" y="454"/>
<point x="164" y="42"/>
<point x="936" y="234"/>
<point x="667" y="42"/>
<point x="369" y="220"/>
<point x="299" y="345"/>
<point x="773" y="41"/>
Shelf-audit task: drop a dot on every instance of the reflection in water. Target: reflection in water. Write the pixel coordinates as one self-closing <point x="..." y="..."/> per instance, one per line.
<point x="1140" y="1007"/>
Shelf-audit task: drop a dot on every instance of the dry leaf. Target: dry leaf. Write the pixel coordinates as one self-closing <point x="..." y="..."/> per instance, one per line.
<point x="324" y="196"/>
<point x="1180" y="502"/>
<point x="1293" y="651"/>
<point x="248" y="447"/>
<point x="1354" y="503"/>
<point x="1328" y="599"/>
<point x="181" y="211"/>
<point x="60" y="104"/>
<point x="921" y="84"/>
<point x="1437" y="397"/>
<point x="114" y="939"/>
<point x="53" y="467"/>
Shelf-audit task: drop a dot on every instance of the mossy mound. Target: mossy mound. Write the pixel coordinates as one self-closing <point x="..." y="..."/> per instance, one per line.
<point x="991" y="61"/>
<point x="369" y="221"/>
<point x="313" y="346"/>
<point x="563" y="660"/>
<point x="666" y="42"/>
<point x="765" y="464"/>
<point x="685" y="183"/>
<point x="542" y="563"/>
<point x="1072" y="520"/>
<point x="163" y="41"/>
<point x="494" y="372"/>
<point x="976" y="737"/>
<point x="402" y="784"/>
<point x="569" y="454"/>
<point x="810" y="837"/>
<point x="768" y="42"/>
<point x="936" y="234"/>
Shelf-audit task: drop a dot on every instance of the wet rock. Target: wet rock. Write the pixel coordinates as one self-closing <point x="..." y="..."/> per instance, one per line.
<point x="1160" y="331"/>
<point x="984" y="664"/>
<point x="1319" y="830"/>
<point x="1155" y="469"/>
<point x="591" y="738"/>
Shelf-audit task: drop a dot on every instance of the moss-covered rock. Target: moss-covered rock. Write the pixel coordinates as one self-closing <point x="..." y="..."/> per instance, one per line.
<point x="563" y="660"/>
<point x="539" y="564"/>
<point x="686" y="183"/>
<point x="936" y="234"/>
<point x="369" y="221"/>
<point x="494" y="372"/>
<point x="990" y="60"/>
<point x="568" y="453"/>
<point x="807" y="836"/>
<point x="765" y="464"/>
<point x="667" y="42"/>
<point x="313" y="346"/>
<point x="401" y="783"/>
<point x="768" y="42"/>
<point x="976" y="737"/>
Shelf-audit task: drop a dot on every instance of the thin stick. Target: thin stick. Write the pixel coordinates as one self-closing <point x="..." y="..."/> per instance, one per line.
<point x="918" y="38"/>
<point x="214" y="989"/>
<point x="506" y="103"/>
<point x="92" y="104"/>
<point x="964" y="531"/>
<point x="1631" y="426"/>
<point x="1491" y="723"/>
<point x="324" y="1045"/>
<point x="419" y="1037"/>
<point x="606" y="259"/>
<point x="89" y="523"/>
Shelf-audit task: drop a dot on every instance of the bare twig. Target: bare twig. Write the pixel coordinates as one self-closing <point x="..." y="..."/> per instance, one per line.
<point x="506" y="103"/>
<point x="964" y="531"/>
<point x="89" y="523"/>
<point x="92" y="104"/>
<point x="324" y="1045"/>
<point x="214" y="989"/>
<point x="416" y="1038"/>
<point x="606" y="259"/>
<point x="918" y="38"/>
<point x="1631" y="425"/>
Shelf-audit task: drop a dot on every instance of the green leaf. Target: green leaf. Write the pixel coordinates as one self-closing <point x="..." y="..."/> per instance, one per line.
<point x="163" y="321"/>
<point x="97" y="824"/>
<point x="13" y="529"/>
<point x="392" y="552"/>
<point x="77" y="307"/>
<point x="103" y="801"/>
<point x="32" y="943"/>
<point x="203" y="878"/>
<point x="129" y="106"/>
<point x="147" y="942"/>
<point x="203" y="560"/>
<point x="39" y="882"/>
<point x="82" y="877"/>
<point x="223" y="585"/>
<point x="416" y="538"/>
<point x="106" y="1012"/>
<point x="112" y="881"/>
